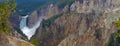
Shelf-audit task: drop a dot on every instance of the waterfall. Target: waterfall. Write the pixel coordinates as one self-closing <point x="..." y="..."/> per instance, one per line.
<point x="29" y="32"/>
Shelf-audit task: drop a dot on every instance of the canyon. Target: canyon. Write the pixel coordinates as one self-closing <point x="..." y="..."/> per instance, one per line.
<point x="80" y="23"/>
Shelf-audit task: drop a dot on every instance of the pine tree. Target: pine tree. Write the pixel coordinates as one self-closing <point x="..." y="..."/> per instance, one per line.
<point x="6" y="8"/>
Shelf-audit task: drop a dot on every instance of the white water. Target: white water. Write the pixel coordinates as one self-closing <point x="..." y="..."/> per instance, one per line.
<point x="29" y="32"/>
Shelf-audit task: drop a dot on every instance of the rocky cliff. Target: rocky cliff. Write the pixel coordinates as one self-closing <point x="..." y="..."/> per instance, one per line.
<point x="6" y="40"/>
<point x="89" y="23"/>
<point x="83" y="23"/>
<point x="76" y="29"/>
<point x="92" y="31"/>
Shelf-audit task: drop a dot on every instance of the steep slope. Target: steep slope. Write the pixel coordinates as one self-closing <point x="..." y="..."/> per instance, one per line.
<point x="83" y="23"/>
<point x="77" y="29"/>
<point x="99" y="31"/>
<point x="6" y="40"/>
<point x="86" y="24"/>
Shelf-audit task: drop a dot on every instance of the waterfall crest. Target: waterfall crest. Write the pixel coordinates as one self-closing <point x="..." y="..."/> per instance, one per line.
<point x="29" y="32"/>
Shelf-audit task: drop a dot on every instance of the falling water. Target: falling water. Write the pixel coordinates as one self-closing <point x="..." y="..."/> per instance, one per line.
<point x="29" y="32"/>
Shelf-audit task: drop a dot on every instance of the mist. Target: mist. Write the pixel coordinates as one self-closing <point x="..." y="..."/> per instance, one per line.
<point x="29" y="32"/>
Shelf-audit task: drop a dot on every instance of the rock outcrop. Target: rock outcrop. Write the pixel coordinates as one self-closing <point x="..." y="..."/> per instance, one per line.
<point x="95" y="33"/>
<point x="6" y="40"/>
<point x="47" y="12"/>
<point x="50" y="11"/>
<point x="89" y="27"/>
<point x="33" y="18"/>
<point x="88" y="23"/>
<point x="80" y="6"/>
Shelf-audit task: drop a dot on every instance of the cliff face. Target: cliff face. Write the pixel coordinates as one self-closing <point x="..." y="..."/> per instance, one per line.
<point x="6" y="40"/>
<point x="87" y="24"/>
<point x="47" y="12"/>
<point x="77" y="29"/>
<point x="83" y="23"/>
<point x="33" y="18"/>
<point x="92" y="31"/>
<point x="81" y="6"/>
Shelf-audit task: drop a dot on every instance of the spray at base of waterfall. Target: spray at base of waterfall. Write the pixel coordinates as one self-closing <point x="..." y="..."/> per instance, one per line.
<point x="29" y="32"/>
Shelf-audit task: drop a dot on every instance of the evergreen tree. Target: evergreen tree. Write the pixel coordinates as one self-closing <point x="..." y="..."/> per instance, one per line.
<point x="6" y="8"/>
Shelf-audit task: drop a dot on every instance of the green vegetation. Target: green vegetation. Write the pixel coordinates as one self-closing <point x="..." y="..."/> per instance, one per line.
<point x="113" y="41"/>
<point x="67" y="44"/>
<point x="6" y="8"/>
<point x="115" y="37"/>
<point x="59" y="3"/>
<point x="48" y="22"/>
<point x="62" y="3"/>
<point x="117" y="24"/>
<point x="34" y="41"/>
